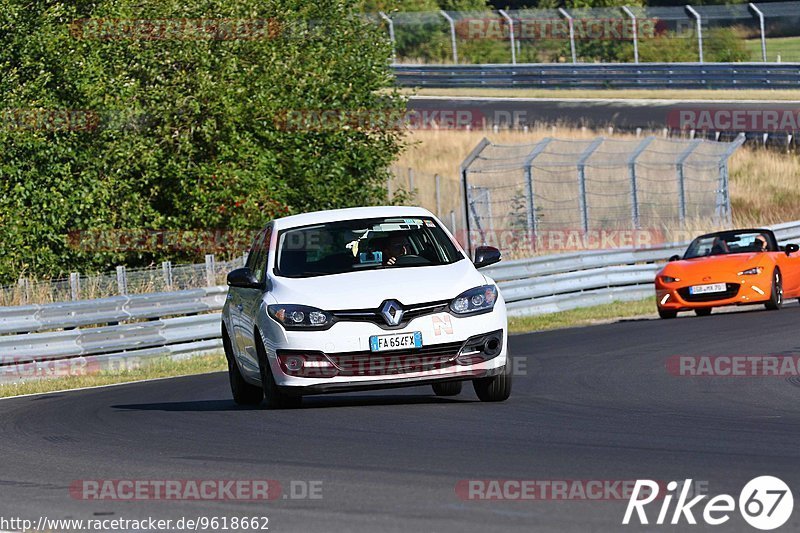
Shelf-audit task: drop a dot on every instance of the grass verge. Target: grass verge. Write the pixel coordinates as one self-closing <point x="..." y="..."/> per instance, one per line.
<point x="582" y="317"/>
<point x="627" y="94"/>
<point x="158" y="368"/>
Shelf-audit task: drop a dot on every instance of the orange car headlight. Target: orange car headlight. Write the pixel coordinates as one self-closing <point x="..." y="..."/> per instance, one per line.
<point x="750" y="271"/>
<point x="669" y="279"/>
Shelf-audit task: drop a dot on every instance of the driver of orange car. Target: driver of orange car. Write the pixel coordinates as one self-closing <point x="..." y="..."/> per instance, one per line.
<point x="760" y="243"/>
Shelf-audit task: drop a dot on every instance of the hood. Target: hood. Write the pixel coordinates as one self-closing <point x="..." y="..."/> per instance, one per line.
<point x="368" y="289"/>
<point x="715" y="264"/>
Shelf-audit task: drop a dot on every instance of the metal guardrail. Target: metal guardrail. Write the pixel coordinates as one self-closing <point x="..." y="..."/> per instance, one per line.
<point x="103" y="333"/>
<point x="603" y="76"/>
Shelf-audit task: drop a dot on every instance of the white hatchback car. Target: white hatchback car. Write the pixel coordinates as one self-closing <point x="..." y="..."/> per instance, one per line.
<point x="363" y="298"/>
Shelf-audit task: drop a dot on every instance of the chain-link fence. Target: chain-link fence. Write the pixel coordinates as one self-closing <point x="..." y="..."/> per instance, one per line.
<point x="515" y="194"/>
<point x="705" y="33"/>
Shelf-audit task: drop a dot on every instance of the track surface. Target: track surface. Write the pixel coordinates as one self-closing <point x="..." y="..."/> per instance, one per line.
<point x="596" y="403"/>
<point x="625" y="114"/>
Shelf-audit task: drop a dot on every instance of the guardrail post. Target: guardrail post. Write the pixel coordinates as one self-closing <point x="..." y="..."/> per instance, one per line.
<point x="511" y="35"/>
<point x="463" y="171"/>
<point x="211" y="278"/>
<point x="452" y="34"/>
<point x="635" y="33"/>
<point x="632" y="174"/>
<point x="122" y="280"/>
<point x="760" y="15"/>
<point x="391" y="34"/>
<point x="682" y="180"/>
<point x="166" y="269"/>
<point x="528" y="166"/>
<point x="582" y="182"/>
<point x="75" y="286"/>
<point x="571" y="24"/>
<point x="696" y="15"/>
<point x="723" y="194"/>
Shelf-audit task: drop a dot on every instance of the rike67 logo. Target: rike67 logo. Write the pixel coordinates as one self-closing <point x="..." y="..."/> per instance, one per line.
<point x="765" y="503"/>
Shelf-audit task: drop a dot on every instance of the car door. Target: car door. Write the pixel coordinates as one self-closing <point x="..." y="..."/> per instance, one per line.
<point x="790" y="270"/>
<point x="241" y="303"/>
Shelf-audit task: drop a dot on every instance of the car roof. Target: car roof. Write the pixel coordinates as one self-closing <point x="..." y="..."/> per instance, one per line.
<point x="735" y="231"/>
<point x="352" y="213"/>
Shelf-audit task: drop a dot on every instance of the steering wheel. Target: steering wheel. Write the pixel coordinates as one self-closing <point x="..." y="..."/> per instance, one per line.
<point x="411" y="259"/>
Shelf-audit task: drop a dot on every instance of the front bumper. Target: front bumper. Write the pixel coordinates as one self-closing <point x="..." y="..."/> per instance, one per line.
<point x="744" y="290"/>
<point x="442" y="336"/>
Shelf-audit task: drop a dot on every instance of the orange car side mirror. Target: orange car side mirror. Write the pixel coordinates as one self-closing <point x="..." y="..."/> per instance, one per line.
<point x="791" y="248"/>
<point x="675" y="258"/>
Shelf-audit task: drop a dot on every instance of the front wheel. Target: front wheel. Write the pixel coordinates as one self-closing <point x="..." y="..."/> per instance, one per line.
<point x="243" y="392"/>
<point x="447" y="388"/>
<point x="273" y="395"/>
<point x="776" y="295"/>
<point x="494" y="388"/>
<point x="666" y="313"/>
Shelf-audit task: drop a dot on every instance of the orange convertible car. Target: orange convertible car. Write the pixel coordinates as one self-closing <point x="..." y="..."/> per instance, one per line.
<point x="735" y="267"/>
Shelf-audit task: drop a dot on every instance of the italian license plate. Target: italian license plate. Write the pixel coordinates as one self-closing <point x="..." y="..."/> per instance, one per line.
<point x="396" y="341"/>
<point x="705" y="289"/>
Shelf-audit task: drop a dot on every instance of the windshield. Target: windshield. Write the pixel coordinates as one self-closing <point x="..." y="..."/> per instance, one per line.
<point x="729" y="243"/>
<point x="367" y="244"/>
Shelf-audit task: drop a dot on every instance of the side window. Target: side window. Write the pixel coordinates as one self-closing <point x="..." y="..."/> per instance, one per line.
<point x="257" y="258"/>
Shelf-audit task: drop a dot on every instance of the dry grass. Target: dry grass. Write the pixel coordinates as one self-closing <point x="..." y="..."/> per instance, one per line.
<point x="763" y="182"/>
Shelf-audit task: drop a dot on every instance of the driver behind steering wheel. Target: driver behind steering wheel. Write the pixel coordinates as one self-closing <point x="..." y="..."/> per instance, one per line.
<point x="396" y="246"/>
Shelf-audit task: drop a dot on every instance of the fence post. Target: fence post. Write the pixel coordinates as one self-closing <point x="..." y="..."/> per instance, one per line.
<point x="635" y="33"/>
<point x="696" y="15"/>
<point x="582" y="182"/>
<point x="682" y="180"/>
<point x="75" y="286"/>
<point x="391" y="34"/>
<point x="760" y="15"/>
<point x="511" y="35"/>
<point x="724" y="196"/>
<point x="24" y="286"/>
<point x="410" y="180"/>
<point x="463" y="171"/>
<point x="571" y="32"/>
<point x="210" y="275"/>
<point x="632" y="174"/>
<point x="438" y="180"/>
<point x="452" y="34"/>
<point x="453" y="221"/>
<point x="528" y="166"/>
<point x="166" y="269"/>
<point x="122" y="280"/>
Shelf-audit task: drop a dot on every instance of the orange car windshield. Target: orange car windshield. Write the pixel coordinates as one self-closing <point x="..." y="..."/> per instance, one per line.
<point x="728" y="243"/>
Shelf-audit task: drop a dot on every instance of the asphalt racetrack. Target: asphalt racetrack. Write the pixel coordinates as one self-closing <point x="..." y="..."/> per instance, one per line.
<point x="595" y="403"/>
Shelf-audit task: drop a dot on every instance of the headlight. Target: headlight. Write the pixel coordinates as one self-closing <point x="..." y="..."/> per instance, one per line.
<point x="669" y="279"/>
<point x="475" y="300"/>
<point x="750" y="271"/>
<point x="300" y="316"/>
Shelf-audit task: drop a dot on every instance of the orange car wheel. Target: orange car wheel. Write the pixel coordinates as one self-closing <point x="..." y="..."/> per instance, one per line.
<point x="776" y="295"/>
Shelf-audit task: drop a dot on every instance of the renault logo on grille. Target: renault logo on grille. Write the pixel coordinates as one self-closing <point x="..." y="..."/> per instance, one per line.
<point x="392" y="312"/>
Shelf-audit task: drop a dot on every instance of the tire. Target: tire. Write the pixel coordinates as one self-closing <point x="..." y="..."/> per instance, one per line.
<point x="494" y="388"/>
<point x="275" y="399"/>
<point x="776" y="294"/>
<point x="666" y="313"/>
<point x="703" y="311"/>
<point x="447" y="388"/>
<point x="243" y="392"/>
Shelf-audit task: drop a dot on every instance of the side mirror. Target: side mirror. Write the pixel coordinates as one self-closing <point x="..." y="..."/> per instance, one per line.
<point x="674" y="258"/>
<point x="485" y="256"/>
<point x="791" y="248"/>
<point x="244" y="278"/>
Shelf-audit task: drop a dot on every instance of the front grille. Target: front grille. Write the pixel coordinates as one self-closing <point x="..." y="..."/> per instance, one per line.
<point x="731" y="290"/>
<point x="374" y="316"/>
<point x="396" y="362"/>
